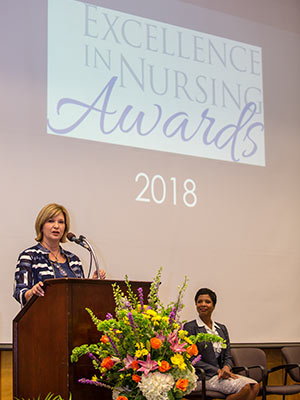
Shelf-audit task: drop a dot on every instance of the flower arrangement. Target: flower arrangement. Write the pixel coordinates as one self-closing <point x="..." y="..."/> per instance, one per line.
<point x="143" y="352"/>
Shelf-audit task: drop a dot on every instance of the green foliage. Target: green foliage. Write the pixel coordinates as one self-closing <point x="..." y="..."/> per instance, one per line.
<point x="132" y="297"/>
<point x="153" y="299"/>
<point x="50" y="396"/>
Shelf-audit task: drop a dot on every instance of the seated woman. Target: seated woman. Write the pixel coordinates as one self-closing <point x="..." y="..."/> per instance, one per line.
<point x="47" y="259"/>
<point x="215" y="360"/>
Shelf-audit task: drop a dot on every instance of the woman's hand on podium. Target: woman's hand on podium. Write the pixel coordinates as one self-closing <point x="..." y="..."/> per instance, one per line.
<point x="37" y="289"/>
<point x="102" y="274"/>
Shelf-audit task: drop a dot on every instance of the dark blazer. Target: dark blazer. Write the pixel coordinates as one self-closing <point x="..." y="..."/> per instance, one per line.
<point x="209" y="362"/>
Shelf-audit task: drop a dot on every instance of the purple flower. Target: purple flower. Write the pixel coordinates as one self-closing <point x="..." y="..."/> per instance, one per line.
<point x="113" y="345"/>
<point x="125" y="303"/>
<point x="172" y="315"/>
<point x="196" y="359"/>
<point x="131" y="321"/>
<point x="92" y="357"/>
<point x="109" y="316"/>
<point x="141" y="296"/>
<point x="91" y="382"/>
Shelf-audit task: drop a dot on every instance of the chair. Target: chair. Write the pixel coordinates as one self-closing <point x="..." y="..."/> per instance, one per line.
<point x="291" y="355"/>
<point x="200" y="393"/>
<point x="253" y="362"/>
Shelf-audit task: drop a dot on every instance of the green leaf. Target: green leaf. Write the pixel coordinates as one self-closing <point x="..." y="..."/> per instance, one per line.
<point x="171" y="395"/>
<point x="48" y="397"/>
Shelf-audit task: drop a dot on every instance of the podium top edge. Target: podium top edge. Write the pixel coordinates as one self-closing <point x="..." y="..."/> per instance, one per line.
<point x="90" y="281"/>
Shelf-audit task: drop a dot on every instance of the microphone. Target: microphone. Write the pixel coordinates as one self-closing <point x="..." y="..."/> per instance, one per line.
<point x="82" y="241"/>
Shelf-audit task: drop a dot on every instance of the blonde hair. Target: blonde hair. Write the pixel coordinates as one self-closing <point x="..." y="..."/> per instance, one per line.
<point x="47" y="212"/>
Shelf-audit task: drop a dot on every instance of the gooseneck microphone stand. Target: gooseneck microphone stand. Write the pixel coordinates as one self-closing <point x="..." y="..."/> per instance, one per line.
<point x="89" y="247"/>
<point x="82" y="241"/>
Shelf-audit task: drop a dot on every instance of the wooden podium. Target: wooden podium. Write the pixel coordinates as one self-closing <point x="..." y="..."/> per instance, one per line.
<point x="47" y="329"/>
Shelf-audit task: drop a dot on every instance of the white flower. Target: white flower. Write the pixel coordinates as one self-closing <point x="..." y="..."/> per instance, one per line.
<point x="116" y="392"/>
<point x="155" y="386"/>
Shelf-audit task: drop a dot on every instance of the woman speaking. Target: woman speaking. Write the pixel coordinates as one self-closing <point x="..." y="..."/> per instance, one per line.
<point x="47" y="259"/>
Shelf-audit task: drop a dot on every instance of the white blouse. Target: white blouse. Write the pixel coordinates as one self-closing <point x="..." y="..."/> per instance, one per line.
<point x="213" y="331"/>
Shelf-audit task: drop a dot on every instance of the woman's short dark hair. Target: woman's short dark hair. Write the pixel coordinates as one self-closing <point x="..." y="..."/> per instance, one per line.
<point x="209" y="292"/>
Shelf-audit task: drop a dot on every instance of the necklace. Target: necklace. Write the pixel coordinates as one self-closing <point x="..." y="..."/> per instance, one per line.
<point x="55" y="255"/>
<point x="51" y="252"/>
<point x="56" y="263"/>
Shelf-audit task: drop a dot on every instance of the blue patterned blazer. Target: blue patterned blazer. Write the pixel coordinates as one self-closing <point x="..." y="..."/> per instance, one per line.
<point x="34" y="265"/>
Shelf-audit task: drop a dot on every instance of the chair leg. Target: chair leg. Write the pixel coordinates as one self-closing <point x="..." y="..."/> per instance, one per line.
<point x="285" y="382"/>
<point x="264" y="395"/>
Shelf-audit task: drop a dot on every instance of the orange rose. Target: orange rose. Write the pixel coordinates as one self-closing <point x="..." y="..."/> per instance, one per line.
<point x="136" y="378"/>
<point x="182" y="384"/>
<point x="122" y="398"/>
<point x="107" y="363"/>
<point x="192" y="350"/>
<point x="104" y="339"/>
<point x="134" y="364"/>
<point x="164" y="366"/>
<point x="155" y="343"/>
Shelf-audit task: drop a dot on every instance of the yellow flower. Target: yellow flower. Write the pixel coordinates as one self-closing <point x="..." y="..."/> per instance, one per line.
<point x="94" y="378"/>
<point x="182" y="336"/>
<point x="118" y="331"/>
<point x="182" y="366"/>
<point x="187" y="340"/>
<point x="141" y="353"/>
<point x="156" y="319"/>
<point x="178" y="361"/>
<point x="152" y="313"/>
